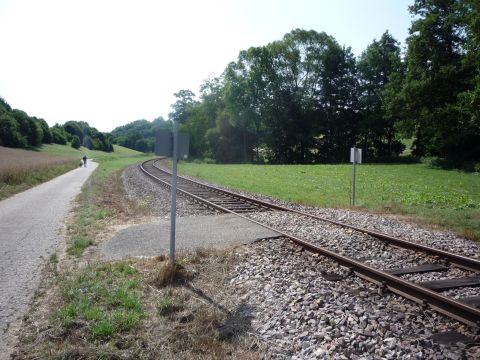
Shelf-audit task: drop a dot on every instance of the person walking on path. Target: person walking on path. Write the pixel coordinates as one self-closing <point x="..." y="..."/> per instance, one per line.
<point x="84" y="160"/>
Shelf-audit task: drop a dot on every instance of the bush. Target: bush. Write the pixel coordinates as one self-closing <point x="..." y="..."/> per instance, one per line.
<point x="76" y="142"/>
<point x="9" y="134"/>
<point x="57" y="136"/>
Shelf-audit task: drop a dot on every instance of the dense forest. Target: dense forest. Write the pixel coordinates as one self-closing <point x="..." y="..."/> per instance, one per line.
<point x="17" y="129"/>
<point x="307" y="99"/>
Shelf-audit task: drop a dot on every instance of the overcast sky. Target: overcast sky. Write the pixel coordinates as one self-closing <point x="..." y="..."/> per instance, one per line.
<point x="110" y="62"/>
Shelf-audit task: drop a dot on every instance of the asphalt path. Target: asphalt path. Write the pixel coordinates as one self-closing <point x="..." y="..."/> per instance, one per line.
<point x="30" y="224"/>
<point x="192" y="232"/>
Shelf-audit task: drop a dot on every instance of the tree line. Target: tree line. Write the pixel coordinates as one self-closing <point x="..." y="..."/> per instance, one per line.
<point x="18" y="129"/>
<point x="140" y="134"/>
<point x="307" y="99"/>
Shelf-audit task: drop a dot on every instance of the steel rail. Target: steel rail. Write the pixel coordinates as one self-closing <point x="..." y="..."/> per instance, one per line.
<point x="426" y="297"/>
<point x="460" y="261"/>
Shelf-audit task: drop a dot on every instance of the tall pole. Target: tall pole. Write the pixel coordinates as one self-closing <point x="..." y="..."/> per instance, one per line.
<point x="173" y="211"/>
<point x="354" y="174"/>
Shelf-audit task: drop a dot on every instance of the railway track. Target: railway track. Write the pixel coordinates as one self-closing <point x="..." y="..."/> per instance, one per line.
<point x="426" y="293"/>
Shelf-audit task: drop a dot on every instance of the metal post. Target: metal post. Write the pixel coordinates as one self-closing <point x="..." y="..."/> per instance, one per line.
<point x="354" y="174"/>
<point x="173" y="211"/>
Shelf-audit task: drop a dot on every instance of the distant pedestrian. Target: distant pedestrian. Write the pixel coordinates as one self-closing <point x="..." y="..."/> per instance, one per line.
<point x="85" y="160"/>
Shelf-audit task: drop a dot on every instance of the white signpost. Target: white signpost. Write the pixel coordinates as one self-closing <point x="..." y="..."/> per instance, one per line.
<point x="355" y="158"/>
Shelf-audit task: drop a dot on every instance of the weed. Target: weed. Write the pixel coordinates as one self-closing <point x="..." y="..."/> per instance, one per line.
<point x="125" y="320"/>
<point x="101" y="214"/>
<point x="54" y="259"/>
<point x="166" y="305"/>
<point x="125" y="268"/>
<point x="102" y="329"/>
<point x="79" y="243"/>
<point x="103" y="298"/>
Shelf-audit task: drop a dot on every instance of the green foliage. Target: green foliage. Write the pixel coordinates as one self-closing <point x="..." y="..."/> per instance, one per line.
<point x="73" y="128"/>
<point x="438" y="85"/>
<point x="79" y="244"/>
<point x="47" y="135"/>
<point x="181" y="106"/>
<point x="9" y="132"/>
<point x="139" y="135"/>
<point x="76" y="142"/>
<point x="58" y="135"/>
<point x="380" y="73"/>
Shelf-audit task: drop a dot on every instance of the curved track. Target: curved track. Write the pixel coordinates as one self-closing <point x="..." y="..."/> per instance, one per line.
<point x="423" y="293"/>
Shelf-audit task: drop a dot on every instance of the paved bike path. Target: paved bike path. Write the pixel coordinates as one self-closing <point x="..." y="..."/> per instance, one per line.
<point x="29" y="235"/>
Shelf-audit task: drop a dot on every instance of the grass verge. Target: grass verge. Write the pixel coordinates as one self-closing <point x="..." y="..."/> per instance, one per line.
<point x="102" y="199"/>
<point x="116" y="310"/>
<point x="121" y="310"/>
<point x="102" y="298"/>
<point x="447" y="198"/>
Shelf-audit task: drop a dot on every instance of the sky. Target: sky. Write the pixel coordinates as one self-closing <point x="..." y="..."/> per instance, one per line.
<point x="110" y="62"/>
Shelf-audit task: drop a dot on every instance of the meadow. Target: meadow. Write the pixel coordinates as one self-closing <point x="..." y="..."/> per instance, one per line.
<point x="22" y="169"/>
<point x="450" y="199"/>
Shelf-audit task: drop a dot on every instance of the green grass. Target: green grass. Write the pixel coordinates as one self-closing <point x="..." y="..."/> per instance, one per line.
<point x="67" y="150"/>
<point x="78" y="244"/>
<point x="103" y="297"/>
<point x="109" y="162"/>
<point x="443" y="197"/>
<point x="91" y="213"/>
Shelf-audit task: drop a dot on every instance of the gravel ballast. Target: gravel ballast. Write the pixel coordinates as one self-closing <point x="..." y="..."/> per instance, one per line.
<point x="302" y="315"/>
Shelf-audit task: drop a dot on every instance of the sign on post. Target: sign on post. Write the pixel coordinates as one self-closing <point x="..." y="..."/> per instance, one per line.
<point x="174" y="144"/>
<point x="355" y="158"/>
<point x="355" y="155"/>
<point x="164" y="144"/>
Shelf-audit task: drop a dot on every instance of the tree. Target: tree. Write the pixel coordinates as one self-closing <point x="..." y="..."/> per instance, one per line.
<point x="47" y="135"/>
<point x="28" y="128"/>
<point x="128" y="135"/>
<point x="9" y="133"/>
<point x="185" y="99"/>
<point x="470" y="98"/>
<point x="58" y="135"/>
<point x="437" y="76"/>
<point x="76" y="142"/>
<point x="73" y="128"/>
<point x="87" y="142"/>
<point x="380" y="75"/>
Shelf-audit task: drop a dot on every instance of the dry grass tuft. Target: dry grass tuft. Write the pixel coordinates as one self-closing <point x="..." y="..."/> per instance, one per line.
<point x="171" y="274"/>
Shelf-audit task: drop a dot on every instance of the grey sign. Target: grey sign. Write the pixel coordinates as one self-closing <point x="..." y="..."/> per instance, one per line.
<point x="164" y="144"/>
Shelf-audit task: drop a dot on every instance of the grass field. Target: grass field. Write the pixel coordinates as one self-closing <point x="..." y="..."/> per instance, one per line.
<point x="22" y="169"/>
<point x="447" y="198"/>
